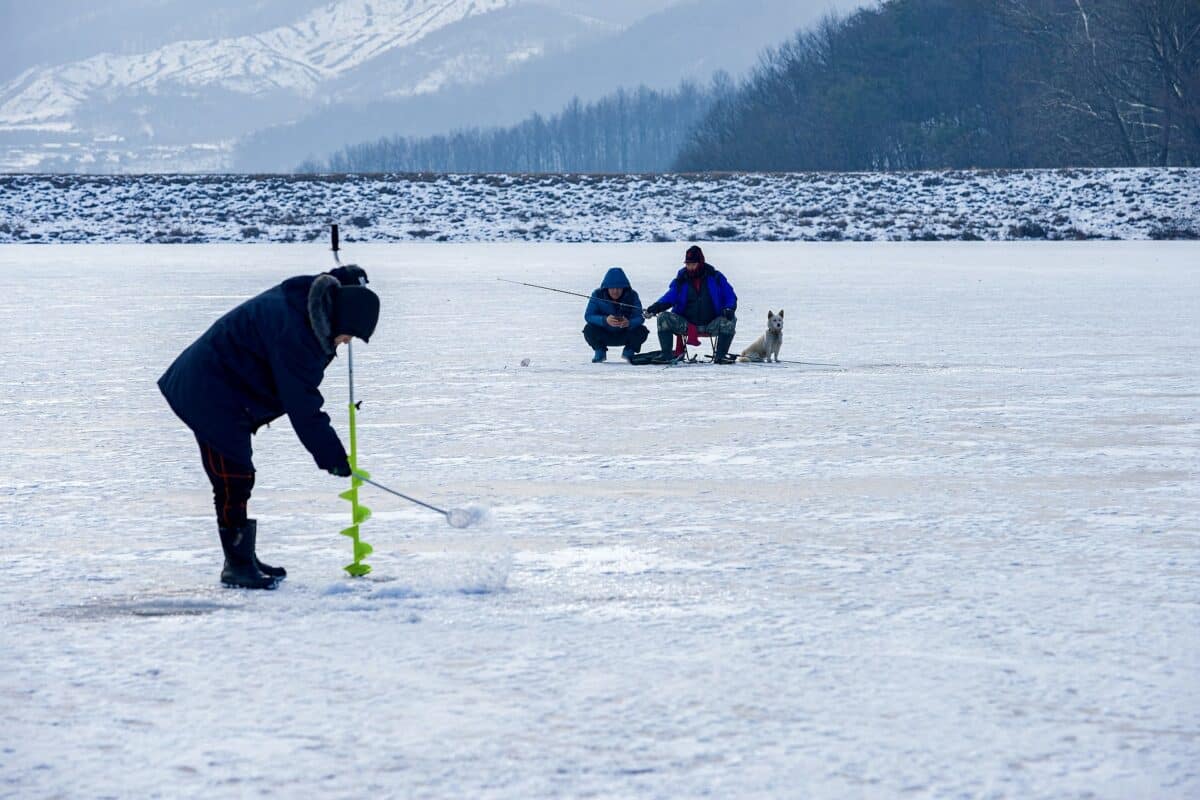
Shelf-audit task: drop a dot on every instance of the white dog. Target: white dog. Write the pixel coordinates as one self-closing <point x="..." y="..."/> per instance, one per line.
<point x="766" y="347"/>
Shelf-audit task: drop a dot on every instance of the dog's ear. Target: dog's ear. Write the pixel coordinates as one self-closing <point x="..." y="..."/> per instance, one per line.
<point x="781" y="313"/>
<point x="770" y="316"/>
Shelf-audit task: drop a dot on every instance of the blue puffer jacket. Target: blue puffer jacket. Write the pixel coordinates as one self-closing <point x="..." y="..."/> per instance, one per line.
<point x="719" y="290"/>
<point x="263" y="359"/>
<point x="600" y="307"/>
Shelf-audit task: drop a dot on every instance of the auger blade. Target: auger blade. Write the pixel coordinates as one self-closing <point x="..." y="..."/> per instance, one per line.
<point x="357" y="570"/>
<point x="362" y="550"/>
<point x="350" y="495"/>
<point x="361" y="514"/>
<point x="352" y="532"/>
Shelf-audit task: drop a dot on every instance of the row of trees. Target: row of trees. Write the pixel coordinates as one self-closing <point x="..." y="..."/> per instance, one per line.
<point x="629" y="131"/>
<point x="906" y="84"/>
<point x="915" y="84"/>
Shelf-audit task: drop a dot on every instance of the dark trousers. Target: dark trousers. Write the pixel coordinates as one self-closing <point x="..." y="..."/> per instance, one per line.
<point x="602" y="337"/>
<point x="232" y="483"/>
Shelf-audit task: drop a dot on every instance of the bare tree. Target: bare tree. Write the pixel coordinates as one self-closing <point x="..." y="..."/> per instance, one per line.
<point x="1118" y="86"/>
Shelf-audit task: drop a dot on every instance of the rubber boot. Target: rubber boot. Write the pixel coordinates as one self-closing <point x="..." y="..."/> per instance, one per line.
<point x="721" y="356"/>
<point x="241" y="567"/>
<point x="600" y="354"/>
<point x="628" y="353"/>
<point x="666" y="343"/>
<point x="266" y="569"/>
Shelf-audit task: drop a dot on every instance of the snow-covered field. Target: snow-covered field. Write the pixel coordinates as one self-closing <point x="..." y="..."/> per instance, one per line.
<point x="964" y="563"/>
<point x="966" y="205"/>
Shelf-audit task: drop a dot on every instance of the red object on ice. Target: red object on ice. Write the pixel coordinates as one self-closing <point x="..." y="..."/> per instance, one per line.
<point x="693" y="338"/>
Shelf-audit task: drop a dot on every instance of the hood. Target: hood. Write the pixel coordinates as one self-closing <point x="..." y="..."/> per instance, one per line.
<point x="615" y="279"/>
<point x="320" y="310"/>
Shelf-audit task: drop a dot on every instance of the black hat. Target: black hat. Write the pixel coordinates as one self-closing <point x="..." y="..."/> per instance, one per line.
<point x="355" y="311"/>
<point x="694" y="255"/>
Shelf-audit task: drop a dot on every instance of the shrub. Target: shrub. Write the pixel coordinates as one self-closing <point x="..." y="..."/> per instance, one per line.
<point x="723" y="232"/>
<point x="1026" y="230"/>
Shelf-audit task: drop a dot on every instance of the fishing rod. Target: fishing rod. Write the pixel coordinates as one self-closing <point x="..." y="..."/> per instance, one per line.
<point x="575" y="294"/>
<point x="456" y="517"/>
<point x="734" y="359"/>
<point x="785" y="361"/>
<point x="362" y="476"/>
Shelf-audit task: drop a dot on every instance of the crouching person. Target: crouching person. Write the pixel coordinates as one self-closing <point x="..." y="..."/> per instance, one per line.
<point x="699" y="300"/>
<point x="614" y="318"/>
<point x="261" y="360"/>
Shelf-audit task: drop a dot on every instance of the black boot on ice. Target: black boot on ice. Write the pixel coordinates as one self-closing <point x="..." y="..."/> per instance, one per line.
<point x="241" y="567"/>
<point x="721" y="356"/>
<point x="666" y="343"/>
<point x="265" y="569"/>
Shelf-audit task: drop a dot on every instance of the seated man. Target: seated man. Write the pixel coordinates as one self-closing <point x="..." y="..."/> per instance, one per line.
<point x="701" y="297"/>
<point x="614" y="317"/>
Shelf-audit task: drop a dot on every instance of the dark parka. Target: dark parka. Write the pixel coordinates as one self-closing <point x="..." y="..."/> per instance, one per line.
<point x="261" y="360"/>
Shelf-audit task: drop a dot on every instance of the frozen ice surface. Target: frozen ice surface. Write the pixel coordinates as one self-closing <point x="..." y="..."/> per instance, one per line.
<point x="966" y="563"/>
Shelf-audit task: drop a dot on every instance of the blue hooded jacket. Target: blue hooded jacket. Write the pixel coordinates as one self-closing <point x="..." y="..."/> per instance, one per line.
<point x="719" y="290"/>
<point x="263" y="359"/>
<point x="628" y="305"/>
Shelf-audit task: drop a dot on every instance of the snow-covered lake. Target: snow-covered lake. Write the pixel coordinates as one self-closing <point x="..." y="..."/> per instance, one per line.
<point x="963" y="563"/>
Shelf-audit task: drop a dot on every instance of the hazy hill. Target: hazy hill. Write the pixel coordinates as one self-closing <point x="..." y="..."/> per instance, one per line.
<point x="688" y="41"/>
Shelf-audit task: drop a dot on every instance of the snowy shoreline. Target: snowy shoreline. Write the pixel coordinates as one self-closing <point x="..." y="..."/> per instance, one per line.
<point x="1064" y="204"/>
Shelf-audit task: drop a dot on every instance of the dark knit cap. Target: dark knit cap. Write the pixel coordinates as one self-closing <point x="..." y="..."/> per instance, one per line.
<point x="694" y="255"/>
<point x="355" y="311"/>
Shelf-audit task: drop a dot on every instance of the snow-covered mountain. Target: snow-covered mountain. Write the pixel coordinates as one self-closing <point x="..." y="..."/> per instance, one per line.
<point x="211" y="91"/>
<point x="261" y="85"/>
<point x="296" y="58"/>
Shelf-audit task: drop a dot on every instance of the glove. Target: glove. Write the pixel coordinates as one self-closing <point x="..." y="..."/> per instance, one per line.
<point x="342" y="470"/>
<point x="728" y="314"/>
<point x="657" y="308"/>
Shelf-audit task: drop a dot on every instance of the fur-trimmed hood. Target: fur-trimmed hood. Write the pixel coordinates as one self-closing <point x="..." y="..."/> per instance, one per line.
<point x="320" y="310"/>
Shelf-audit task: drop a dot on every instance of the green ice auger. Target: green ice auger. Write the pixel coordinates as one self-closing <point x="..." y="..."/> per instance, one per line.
<point x="358" y="512"/>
